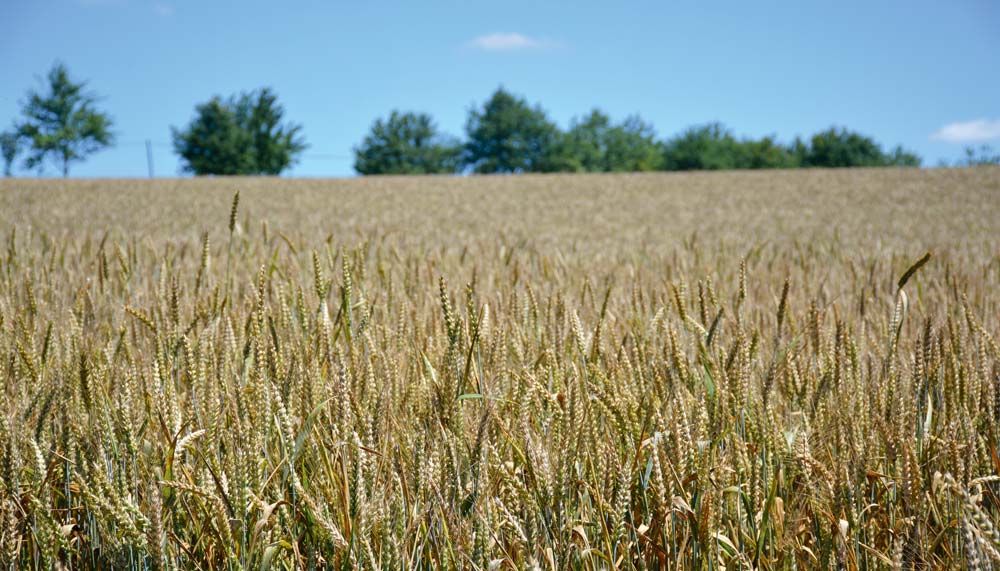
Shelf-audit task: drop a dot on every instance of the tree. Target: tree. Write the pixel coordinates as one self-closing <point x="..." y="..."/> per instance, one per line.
<point x="631" y="147"/>
<point x="984" y="157"/>
<point x="595" y="145"/>
<point x="587" y="141"/>
<point x="799" y="150"/>
<point x="842" y="148"/>
<point x="712" y="146"/>
<point x="509" y="136"/>
<point x="900" y="157"/>
<point x="10" y="146"/>
<point x="703" y="147"/>
<point x="765" y="153"/>
<point x="274" y="145"/>
<point x="63" y="123"/>
<point x="242" y="135"/>
<point x="407" y="143"/>
<point x="214" y="142"/>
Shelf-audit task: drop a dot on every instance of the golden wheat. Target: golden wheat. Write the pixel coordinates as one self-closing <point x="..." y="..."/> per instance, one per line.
<point x="692" y="371"/>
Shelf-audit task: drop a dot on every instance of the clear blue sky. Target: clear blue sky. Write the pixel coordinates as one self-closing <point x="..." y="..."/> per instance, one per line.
<point x="913" y="72"/>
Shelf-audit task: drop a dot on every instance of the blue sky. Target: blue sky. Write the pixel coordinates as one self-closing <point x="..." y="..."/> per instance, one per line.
<point x="912" y="72"/>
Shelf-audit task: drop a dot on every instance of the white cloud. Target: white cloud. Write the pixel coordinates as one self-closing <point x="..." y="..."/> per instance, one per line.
<point x="163" y="9"/>
<point x="968" y="131"/>
<point x="508" y="42"/>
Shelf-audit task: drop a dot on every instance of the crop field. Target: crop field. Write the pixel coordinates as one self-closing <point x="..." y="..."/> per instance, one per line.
<point x="746" y="370"/>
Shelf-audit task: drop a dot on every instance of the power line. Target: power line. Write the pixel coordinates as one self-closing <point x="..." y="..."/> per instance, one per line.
<point x="141" y="143"/>
<point x="165" y="144"/>
<point x="327" y="156"/>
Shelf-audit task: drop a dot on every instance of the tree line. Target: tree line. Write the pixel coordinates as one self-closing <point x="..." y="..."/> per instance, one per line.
<point x="247" y="134"/>
<point x="508" y="135"/>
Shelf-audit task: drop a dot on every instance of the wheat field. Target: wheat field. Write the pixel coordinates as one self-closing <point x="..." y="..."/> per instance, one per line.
<point x="747" y="370"/>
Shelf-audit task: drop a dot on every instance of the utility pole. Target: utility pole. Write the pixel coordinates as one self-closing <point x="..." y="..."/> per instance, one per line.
<point x="149" y="157"/>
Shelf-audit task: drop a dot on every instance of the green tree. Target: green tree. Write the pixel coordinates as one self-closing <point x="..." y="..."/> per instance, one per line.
<point x="764" y="153"/>
<point x="595" y="145"/>
<point x="900" y="157"/>
<point x="586" y="141"/>
<point x="703" y="147"/>
<point x="799" y="150"/>
<point x="214" y="142"/>
<point x="838" y="147"/>
<point x="407" y="143"/>
<point x="983" y="156"/>
<point x="242" y="135"/>
<point x="842" y="148"/>
<point x="712" y="146"/>
<point x="508" y="136"/>
<point x="62" y="124"/>
<point x="631" y="147"/>
<point x="275" y="145"/>
<point x="10" y="146"/>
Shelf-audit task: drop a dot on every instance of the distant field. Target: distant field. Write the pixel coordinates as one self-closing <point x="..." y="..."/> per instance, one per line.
<point x="700" y="371"/>
<point x="613" y="214"/>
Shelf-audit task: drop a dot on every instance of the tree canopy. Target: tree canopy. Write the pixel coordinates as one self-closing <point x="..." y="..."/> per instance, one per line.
<point x="705" y="147"/>
<point x="60" y="124"/>
<point x="712" y="146"/>
<point x="241" y="135"/>
<point x="407" y="143"/>
<point x="838" y="147"/>
<point x="594" y="144"/>
<point x="248" y="134"/>
<point x="507" y="135"/>
<point x="10" y="146"/>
